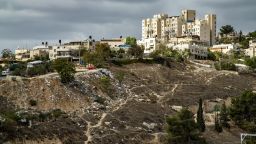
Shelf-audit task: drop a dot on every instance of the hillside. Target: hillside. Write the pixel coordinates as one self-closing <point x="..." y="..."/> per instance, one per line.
<point x="131" y="110"/>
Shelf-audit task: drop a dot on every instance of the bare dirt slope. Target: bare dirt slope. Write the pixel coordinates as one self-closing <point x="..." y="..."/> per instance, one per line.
<point x="135" y="111"/>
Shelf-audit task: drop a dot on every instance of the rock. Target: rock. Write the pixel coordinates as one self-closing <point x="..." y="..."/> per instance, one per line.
<point x="107" y="123"/>
<point x="177" y="108"/>
<point x="150" y="126"/>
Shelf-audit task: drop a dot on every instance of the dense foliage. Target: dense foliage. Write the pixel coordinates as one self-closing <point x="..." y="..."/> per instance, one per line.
<point x="136" y="52"/>
<point x="131" y="41"/>
<point x="163" y="51"/>
<point x="99" y="56"/>
<point x="65" y="69"/>
<point x="227" y="29"/>
<point x="7" y="53"/>
<point x="224" y="116"/>
<point x="200" y="116"/>
<point x="183" y="129"/>
<point x="243" y="111"/>
<point x="225" y="65"/>
<point x="251" y="62"/>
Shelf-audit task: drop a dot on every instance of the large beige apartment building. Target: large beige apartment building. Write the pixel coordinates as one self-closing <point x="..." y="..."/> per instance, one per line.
<point x="164" y="27"/>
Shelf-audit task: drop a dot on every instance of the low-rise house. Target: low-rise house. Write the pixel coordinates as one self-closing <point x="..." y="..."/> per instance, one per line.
<point x="251" y="50"/>
<point x="149" y="44"/>
<point x="224" y="48"/>
<point x="70" y="50"/>
<point x="114" y="43"/>
<point x="196" y="51"/>
<point x="76" y="45"/>
<point x="22" y="54"/>
<point x="40" y="51"/>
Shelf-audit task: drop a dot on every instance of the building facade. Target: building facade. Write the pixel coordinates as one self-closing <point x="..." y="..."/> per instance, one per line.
<point x="164" y="28"/>
<point x="223" y="48"/>
<point x="251" y="51"/>
<point x="40" y="51"/>
<point x="149" y="45"/>
<point x="114" y="43"/>
<point x="22" y="54"/>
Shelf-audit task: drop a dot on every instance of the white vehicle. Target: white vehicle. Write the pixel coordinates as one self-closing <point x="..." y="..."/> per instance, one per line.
<point x="5" y="73"/>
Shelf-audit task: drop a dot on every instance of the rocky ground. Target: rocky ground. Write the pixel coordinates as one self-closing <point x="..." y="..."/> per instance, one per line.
<point x="132" y="111"/>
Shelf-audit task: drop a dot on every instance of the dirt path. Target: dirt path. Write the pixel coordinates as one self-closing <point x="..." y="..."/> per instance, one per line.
<point x="90" y="127"/>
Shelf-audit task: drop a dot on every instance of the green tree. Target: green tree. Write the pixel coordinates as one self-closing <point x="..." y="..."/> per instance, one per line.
<point x="227" y="29"/>
<point x="65" y="69"/>
<point x="98" y="57"/>
<point x="131" y="41"/>
<point x="251" y="62"/>
<point x="120" y="77"/>
<point x="200" y="116"/>
<point x="224" y="116"/>
<point x="252" y="34"/>
<point x="183" y="129"/>
<point x="240" y="36"/>
<point x="217" y="125"/>
<point x="7" y="53"/>
<point x="243" y="111"/>
<point x="136" y="51"/>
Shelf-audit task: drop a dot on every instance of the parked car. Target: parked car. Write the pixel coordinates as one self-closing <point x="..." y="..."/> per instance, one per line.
<point x="5" y="73"/>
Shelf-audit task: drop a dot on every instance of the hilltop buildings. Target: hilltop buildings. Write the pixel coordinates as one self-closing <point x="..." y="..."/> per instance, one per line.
<point x="166" y="28"/>
<point x="22" y="54"/>
<point x="251" y="50"/>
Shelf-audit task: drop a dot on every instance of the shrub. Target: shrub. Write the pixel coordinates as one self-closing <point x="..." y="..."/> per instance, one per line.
<point x="33" y="102"/>
<point x="57" y="113"/>
<point x="183" y="129"/>
<point x="251" y="62"/>
<point x="105" y="83"/>
<point x="225" y="65"/>
<point x="242" y="111"/>
<point x="120" y="77"/>
<point x="65" y="69"/>
<point x="99" y="100"/>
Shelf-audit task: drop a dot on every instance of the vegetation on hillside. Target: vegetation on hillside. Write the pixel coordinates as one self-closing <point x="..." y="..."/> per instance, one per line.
<point x="182" y="129"/>
<point x="65" y="69"/>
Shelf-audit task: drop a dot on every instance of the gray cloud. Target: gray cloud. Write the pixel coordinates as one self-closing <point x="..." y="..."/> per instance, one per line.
<point x="27" y="22"/>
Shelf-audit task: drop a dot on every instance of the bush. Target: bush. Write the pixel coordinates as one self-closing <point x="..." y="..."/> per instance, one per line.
<point x="120" y="77"/>
<point x="57" y="113"/>
<point x="251" y="62"/>
<point x="182" y="129"/>
<point x="99" y="100"/>
<point x="225" y="65"/>
<point x="65" y="69"/>
<point x="99" y="56"/>
<point x="33" y="102"/>
<point x="243" y="112"/>
<point x="105" y="83"/>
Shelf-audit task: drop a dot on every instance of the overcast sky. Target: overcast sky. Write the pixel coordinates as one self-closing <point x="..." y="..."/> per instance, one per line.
<point x="26" y="23"/>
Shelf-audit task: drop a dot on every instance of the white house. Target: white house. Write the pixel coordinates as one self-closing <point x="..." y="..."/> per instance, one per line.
<point x="40" y="50"/>
<point x="114" y="43"/>
<point x="63" y="52"/>
<point x="251" y="50"/>
<point x="22" y="54"/>
<point x="197" y="51"/>
<point x="223" y="48"/>
<point x="149" y="45"/>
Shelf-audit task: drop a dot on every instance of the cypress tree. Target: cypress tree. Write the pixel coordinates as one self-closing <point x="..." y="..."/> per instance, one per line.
<point x="224" y="116"/>
<point x="218" y="127"/>
<point x="200" y="116"/>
